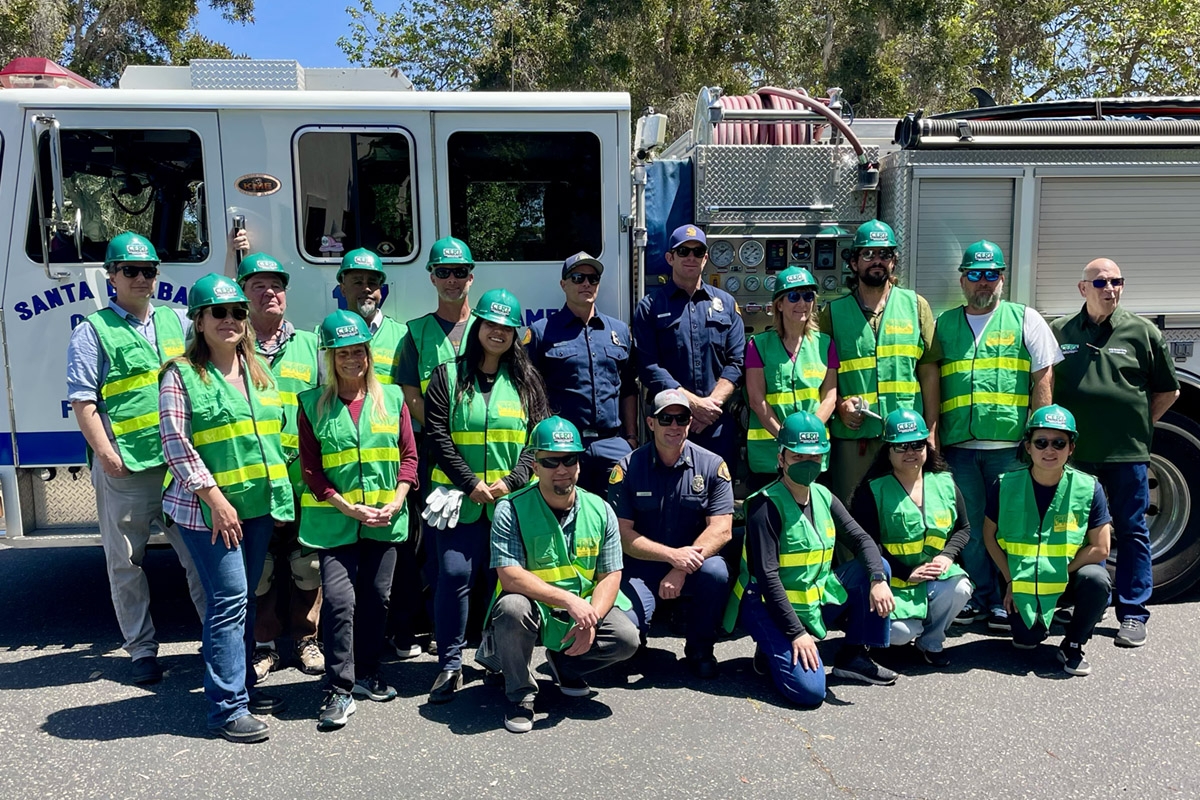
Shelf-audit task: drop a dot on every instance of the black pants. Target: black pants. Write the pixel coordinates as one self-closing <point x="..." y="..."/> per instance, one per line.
<point x="1088" y="590"/>
<point x="357" y="580"/>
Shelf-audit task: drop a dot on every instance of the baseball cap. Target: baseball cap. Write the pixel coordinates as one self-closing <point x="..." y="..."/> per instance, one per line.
<point x="686" y="233"/>
<point x="581" y="259"/>
<point x="670" y="397"/>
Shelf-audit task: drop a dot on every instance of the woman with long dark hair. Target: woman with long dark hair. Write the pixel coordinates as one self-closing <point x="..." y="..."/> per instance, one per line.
<point x="478" y="413"/>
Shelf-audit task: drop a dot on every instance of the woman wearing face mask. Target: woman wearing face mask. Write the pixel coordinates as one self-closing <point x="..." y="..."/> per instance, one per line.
<point x="1047" y="528"/>
<point x="794" y="595"/>
<point x="220" y="417"/>
<point x="478" y="411"/>
<point x="790" y="368"/>
<point x="912" y="507"/>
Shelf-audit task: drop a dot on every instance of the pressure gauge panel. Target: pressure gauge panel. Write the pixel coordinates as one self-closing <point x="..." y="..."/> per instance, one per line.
<point x="802" y="250"/>
<point x="721" y="254"/>
<point x="752" y="284"/>
<point x="751" y="253"/>
<point x="770" y="283"/>
<point x="732" y="284"/>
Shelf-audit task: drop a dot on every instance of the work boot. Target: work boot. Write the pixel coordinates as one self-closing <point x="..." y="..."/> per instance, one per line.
<point x="264" y="661"/>
<point x="310" y="655"/>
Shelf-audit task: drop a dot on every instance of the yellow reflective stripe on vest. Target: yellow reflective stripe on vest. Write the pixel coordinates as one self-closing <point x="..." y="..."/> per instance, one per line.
<point x="857" y="364"/>
<point x="244" y="427"/>
<point x="936" y="542"/>
<point x="374" y="497"/>
<point x="905" y="548"/>
<point x="1038" y="587"/>
<point x="289" y="440"/>
<point x="129" y="384"/>
<point x="780" y="398"/>
<point x="801" y="559"/>
<point x="492" y="475"/>
<point x="756" y="434"/>
<point x="900" y="583"/>
<point x="899" y="387"/>
<point x="289" y="398"/>
<point x="806" y="597"/>
<point x="353" y="455"/>
<point x="135" y="424"/>
<point x="893" y="350"/>
<point x="986" y="398"/>
<point x="569" y="572"/>
<point x="250" y="473"/>
<point x="968" y="365"/>
<point x="480" y="438"/>
<point x="1030" y="550"/>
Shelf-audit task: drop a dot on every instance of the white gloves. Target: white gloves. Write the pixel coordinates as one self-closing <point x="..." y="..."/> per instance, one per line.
<point x="442" y="507"/>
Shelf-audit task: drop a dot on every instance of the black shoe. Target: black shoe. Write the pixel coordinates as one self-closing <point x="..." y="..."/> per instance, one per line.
<point x="1131" y="634"/>
<point x="1064" y="614"/>
<point x="571" y="687"/>
<point x="519" y="717"/>
<point x="243" y="730"/>
<point x="998" y="622"/>
<point x="703" y="667"/>
<point x="970" y="614"/>
<point x="861" y="668"/>
<point x="335" y="711"/>
<point x="373" y="688"/>
<point x="448" y="682"/>
<point x="263" y="703"/>
<point x="1071" y="656"/>
<point x="761" y="663"/>
<point x="935" y="658"/>
<point x="146" y="670"/>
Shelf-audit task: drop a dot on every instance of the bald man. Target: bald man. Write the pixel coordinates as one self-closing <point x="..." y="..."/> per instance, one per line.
<point x="1117" y="378"/>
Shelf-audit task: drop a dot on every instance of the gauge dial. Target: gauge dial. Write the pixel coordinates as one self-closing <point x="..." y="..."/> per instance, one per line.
<point x="752" y="284"/>
<point x="721" y="254"/>
<point x="732" y="284"/>
<point x="802" y="250"/>
<point x="770" y="283"/>
<point x="751" y="253"/>
<point x="830" y="283"/>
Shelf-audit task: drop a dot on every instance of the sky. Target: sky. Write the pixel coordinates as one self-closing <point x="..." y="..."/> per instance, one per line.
<point x="302" y="30"/>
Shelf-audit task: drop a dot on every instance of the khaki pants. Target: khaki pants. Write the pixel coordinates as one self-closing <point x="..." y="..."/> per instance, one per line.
<point x="849" y="460"/>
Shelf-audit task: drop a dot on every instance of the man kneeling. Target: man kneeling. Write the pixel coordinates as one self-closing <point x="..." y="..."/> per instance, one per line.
<point x="556" y="549"/>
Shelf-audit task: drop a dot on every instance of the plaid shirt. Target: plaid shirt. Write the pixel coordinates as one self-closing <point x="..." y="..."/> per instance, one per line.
<point x="187" y="469"/>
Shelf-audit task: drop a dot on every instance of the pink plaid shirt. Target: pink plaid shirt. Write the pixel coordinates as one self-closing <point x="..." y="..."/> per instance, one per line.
<point x="188" y="472"/>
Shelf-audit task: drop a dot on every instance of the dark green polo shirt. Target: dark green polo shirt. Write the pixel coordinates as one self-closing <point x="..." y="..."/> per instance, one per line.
<point x="1105" y="379"/>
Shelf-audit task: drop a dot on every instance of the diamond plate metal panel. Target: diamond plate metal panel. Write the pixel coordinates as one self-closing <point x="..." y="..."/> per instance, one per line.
<point x="1181" y="335"/>
<point x="66" y="501"/>
<point x="766" y="184"/>
<point x="895" y="196"/>
<point x="244" y="74"/>
<point x="1037" y="158"/>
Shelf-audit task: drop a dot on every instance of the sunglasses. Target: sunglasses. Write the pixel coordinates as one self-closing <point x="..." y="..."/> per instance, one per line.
<point x="130" y="271"/>
<point x="870" y="255"/>
<point x="680" y="419"/>
<point x="578" y="278"/>
<point x="796" y="296"/>
<point x="441" y="273"/>
<point x="1057" y="444"/>
<point x="699" y="251"/>
<point x="559" y="461"/>
<point x="904" y="447"/>
<point x="239" y="313"/>
<point x="1116" y="283"/>
<point x="989" y="275"/>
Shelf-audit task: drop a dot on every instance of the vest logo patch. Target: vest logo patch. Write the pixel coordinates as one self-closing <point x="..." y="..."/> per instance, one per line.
<point x="898" y="326"/>
<point x="1001" y="338"/>
<point x="587" y="549"/>
<point x="510" y="409"/>
<point x="1069" y="349"/>
<point x="1065" y="522"/>
<point x="386" y="425"/>
<point x="942" y="520"/>
<point x="814" y="371"/>
<point x="173" y="349"/>
<point x="297" y="371"/>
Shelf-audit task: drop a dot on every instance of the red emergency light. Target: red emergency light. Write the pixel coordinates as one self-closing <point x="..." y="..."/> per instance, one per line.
<point x="40" y="73"/>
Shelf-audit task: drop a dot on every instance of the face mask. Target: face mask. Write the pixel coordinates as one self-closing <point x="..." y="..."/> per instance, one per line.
<point x="804" y="472"/>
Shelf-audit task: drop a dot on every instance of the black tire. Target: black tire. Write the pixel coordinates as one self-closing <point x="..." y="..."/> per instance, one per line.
<point x="1174" y="515"/>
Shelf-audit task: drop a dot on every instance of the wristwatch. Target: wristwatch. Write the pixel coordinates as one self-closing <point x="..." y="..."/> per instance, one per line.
<point x="878" y="576"/>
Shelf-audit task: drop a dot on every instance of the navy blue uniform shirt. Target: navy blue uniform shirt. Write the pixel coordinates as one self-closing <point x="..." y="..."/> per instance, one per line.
<point x="586" y="368"/>
<point x="688" y="340"/>
<point x="671" y="503"/>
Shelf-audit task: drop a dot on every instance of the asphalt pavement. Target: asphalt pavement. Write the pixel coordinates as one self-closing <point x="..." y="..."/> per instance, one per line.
<point x="995" y="724"/>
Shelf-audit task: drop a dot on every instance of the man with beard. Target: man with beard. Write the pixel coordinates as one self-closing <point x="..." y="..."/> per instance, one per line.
<point x="361" y="279"/>
<point x="885" y="343"/>
<point x="556" y="549"/>
<point x="996" y="368"/>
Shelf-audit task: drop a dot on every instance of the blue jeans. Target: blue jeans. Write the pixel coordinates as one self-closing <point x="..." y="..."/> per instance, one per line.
<point x="862" y="627"/>
<point x="229" y="577"/>
<point x="974" y="472"/>
<point x="463" y="556"/>
<point x="1128" y="492"/>
<point x="707" y="591"/>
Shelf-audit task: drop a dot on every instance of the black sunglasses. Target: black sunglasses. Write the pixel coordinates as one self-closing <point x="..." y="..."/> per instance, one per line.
<point x="131" y="271"/>
<point x="903" y="447"/>
<point x="796" y="296"/>
<point x="579" y="277"/>
<point x="1100" y="283"/>
<point x="681" y="419"/>
<point x="441" y="273"/>
<point x="1057" y="444"/>
<point x="989" y="275"/>
<point x="237" y="312"/>
<point x="557" y="461"/>
<point x="699" y="251"/>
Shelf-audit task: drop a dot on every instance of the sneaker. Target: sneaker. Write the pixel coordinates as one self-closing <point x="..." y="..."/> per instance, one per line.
<point x="335" y="711"/>
<point x="310" y="655"/>
<point x="146" y="670"/>
<point x="1131" y="634"/>
<point x="998" y="621"/>
<point x="1024" y="645"/>
<point x="1071" y="656"/>
<point x="264" y="661"/>
<point x="519" y="717"/>
<point x="264" y="703"/>
<point x="571" y="687"/>
<point x="934" y="658"/>
<point x="372" y="688"/>
<point x="246" y="729"/>
<point x="862" y="668"/>
<point x="970" y="614"/>
<point x="1064" y="614"/>
<point x="406" y="648"/>
<point x="761" y="663"/>
<point x="703" y="667"/>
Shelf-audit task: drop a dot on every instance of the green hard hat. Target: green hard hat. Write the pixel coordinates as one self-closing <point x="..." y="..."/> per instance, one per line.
<point x="803" y="433"/>
<point x="342" y="329"/>
<point x="983" y="255"/>
<point x="449" y="251"/>
<point x="213" y="290"/>
<point x="129" y="246"/>
<point x="1052" y="417"/>
<point x="362" y="258"/>
<point x="556" y="435"/>
<point x="904" y="425"/>
<point x="874" y="234"/>
<point x="793" y="278"/>
<point x="499" y="306"/>
<point x="259" y="263"/>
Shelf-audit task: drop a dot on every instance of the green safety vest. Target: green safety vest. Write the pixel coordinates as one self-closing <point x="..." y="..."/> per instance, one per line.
<point x="362" y="462"/>
<point x="433" y="346"/>
<point x="385" y="348"/>
<point x="914" y="536"/>
<point x="547" y="555"/>
<point x="239" y="443"/>
<point x="295" y="370"/>
<point x="985" y="387"/>
<point x="805" y="558"/>
<point x="489" y="435"/>
<point x="129" y="394"/>
<point x="792" y="385"/>
<point x="879" y="367"/>
<point x="1040" y="548"/>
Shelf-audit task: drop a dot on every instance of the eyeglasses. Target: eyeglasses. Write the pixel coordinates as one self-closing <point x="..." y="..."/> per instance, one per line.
<point x="556" y="462"/>
<point x="1057" y="444"/>
<point x="989" y="275"/>
<point x="796" y="296"/>
<point x="1116" y="283"/>
<point x="699" y="251"/>
<point x="130" y="271"/>
<point x="578" y="278"/>
<point x="237" y="312"/>
<point x="680" y="419"/>
<point x="871" y="255"/>
<point x="441" y="273"/>
<point x="904" y="447"/>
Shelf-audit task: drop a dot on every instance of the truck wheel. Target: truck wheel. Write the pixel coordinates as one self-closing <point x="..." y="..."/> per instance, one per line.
<point x="1174" y="514"/>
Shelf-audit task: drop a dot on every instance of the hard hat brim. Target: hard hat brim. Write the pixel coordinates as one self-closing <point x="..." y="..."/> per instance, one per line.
<point x="807" y="449"/>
